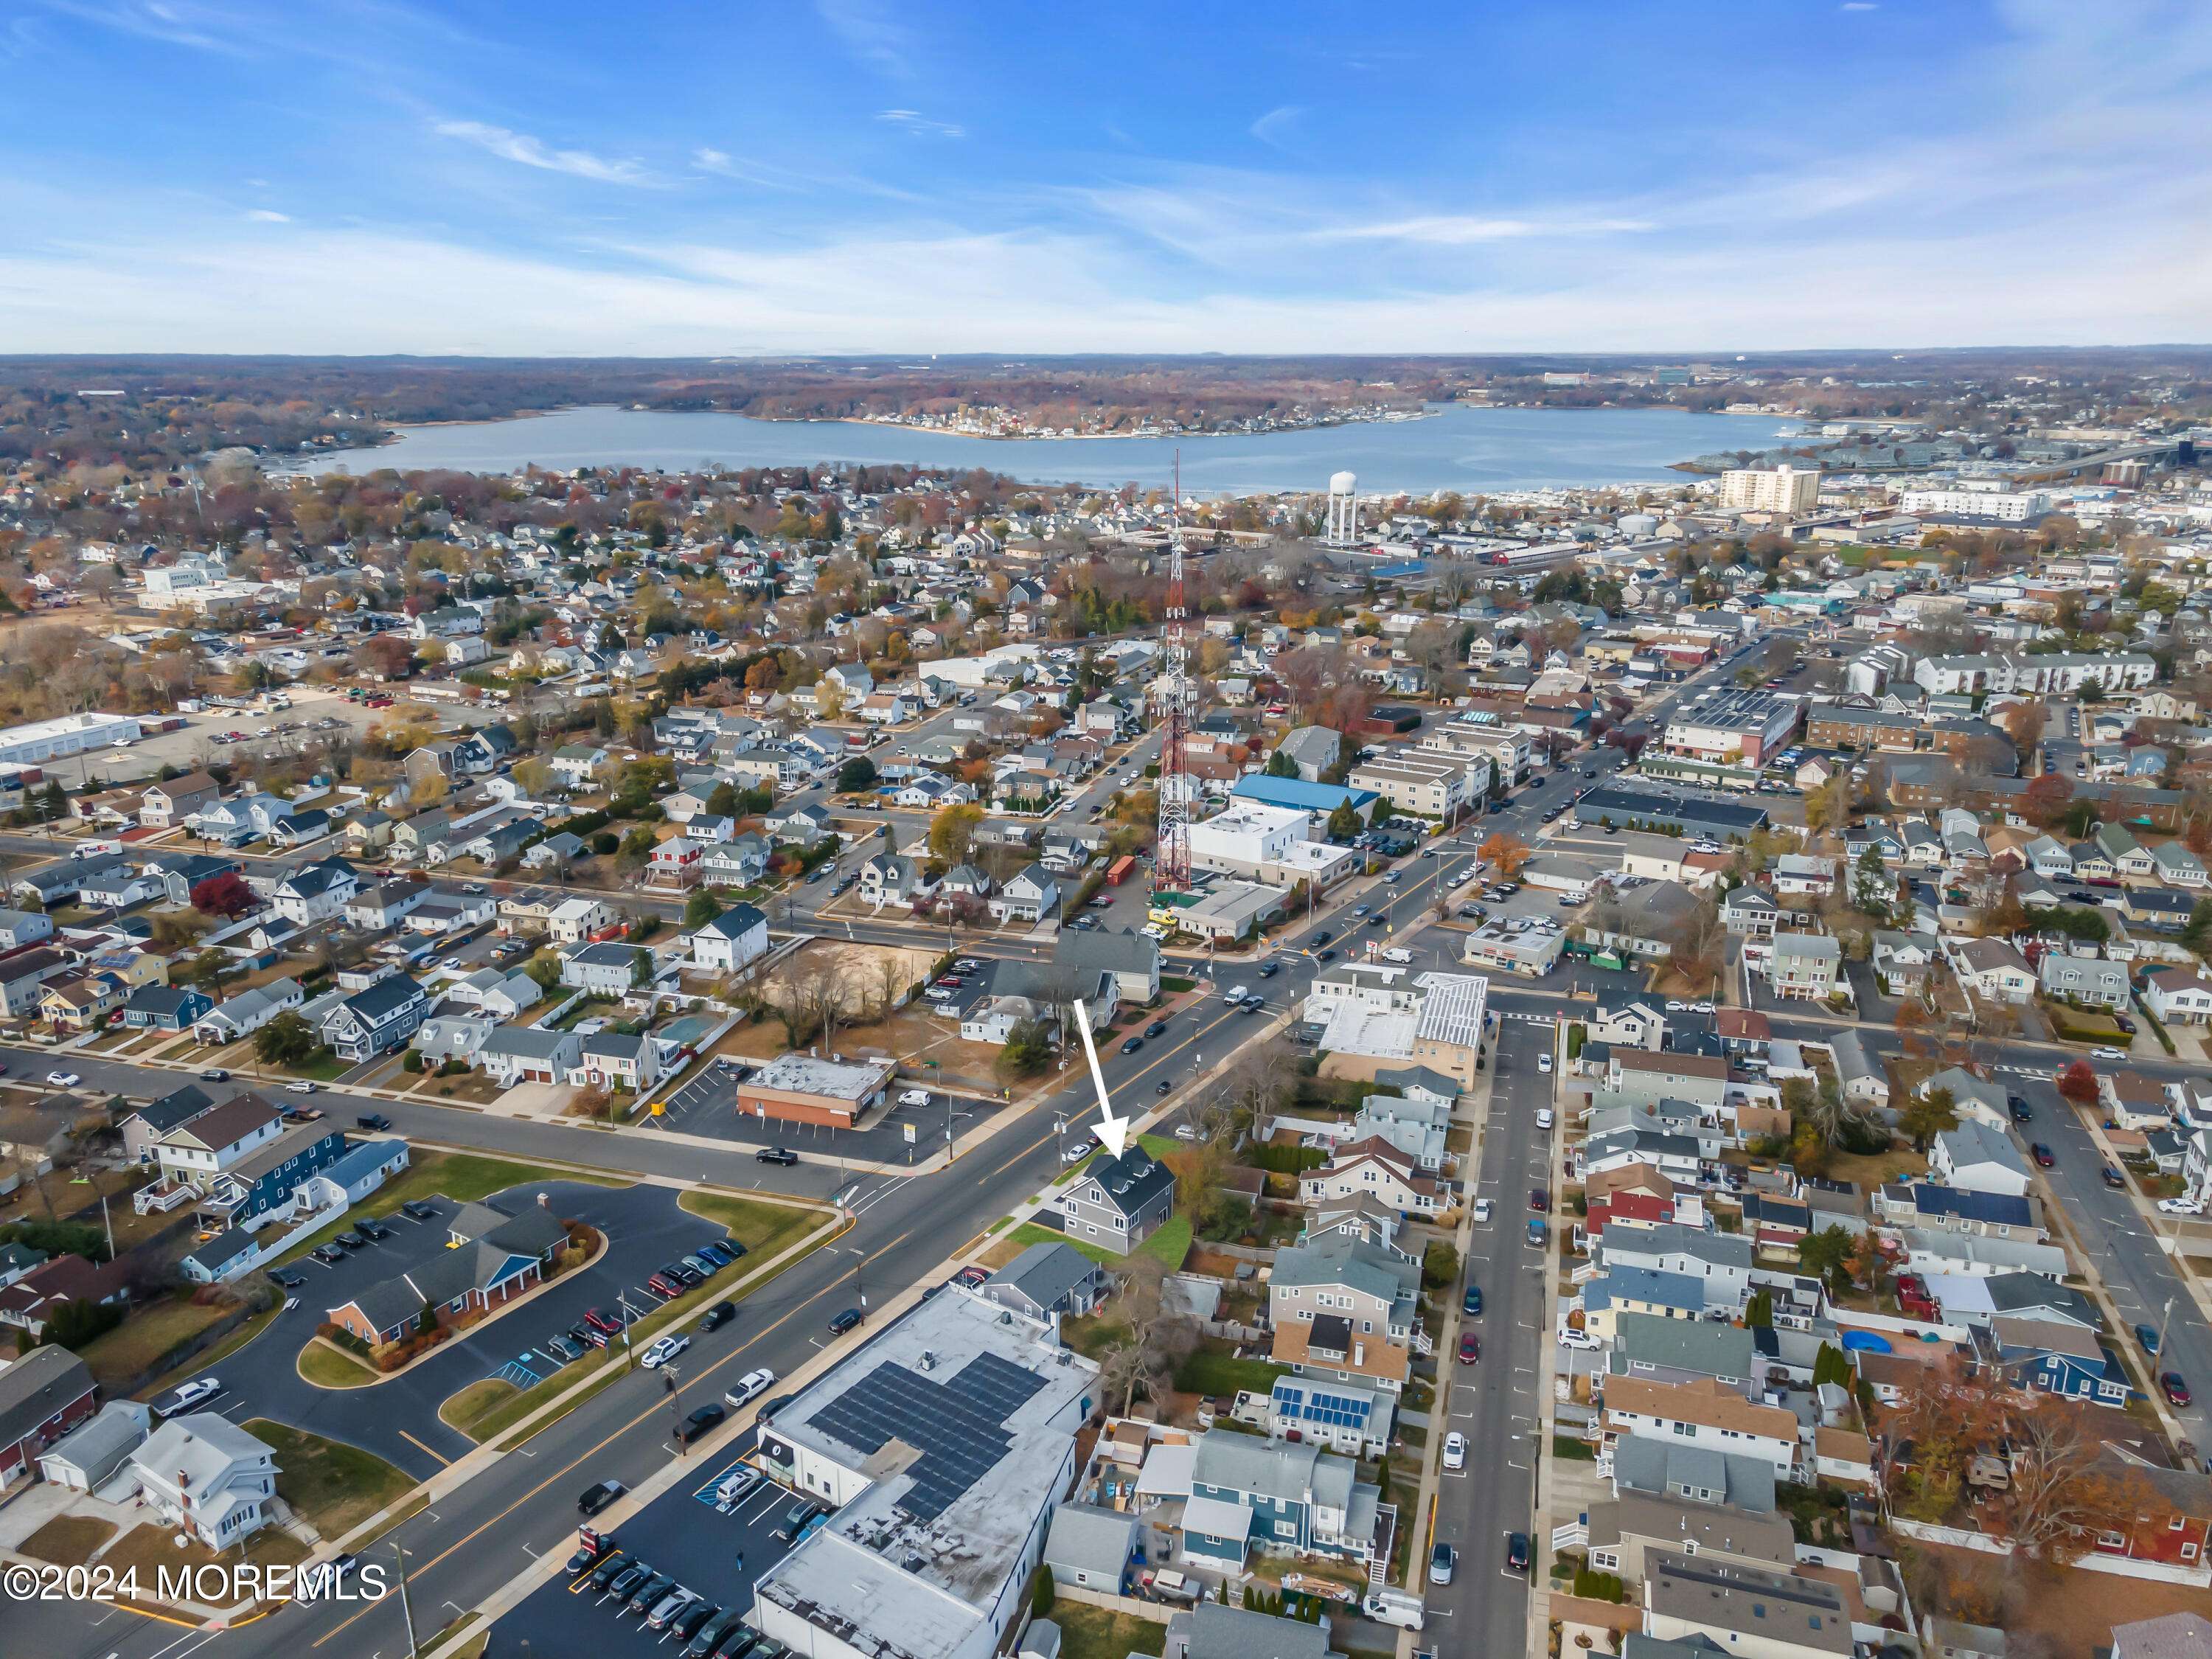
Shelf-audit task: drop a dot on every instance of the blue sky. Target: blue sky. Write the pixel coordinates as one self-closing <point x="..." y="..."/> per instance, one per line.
<point x="850" y="175"/>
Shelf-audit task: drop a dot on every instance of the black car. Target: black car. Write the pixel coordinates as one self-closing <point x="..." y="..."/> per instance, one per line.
<point x="680" y="1273"/>
<point x="589" y="1334"/>
<point x="719" y="1625"/>
<point x="373" y="1120"/>
<point x="2124" y="1023"/>
<point x="775" y="1155"/>
<point x="845" y="1321"/>
<point x="1156" y="1028"/>
<point x="685" y="1625"/>
<point x="1517" y="1550"/>
<point x="1162" y="1086"/>
<point x="590" y="1555"/>
<point x="287" y="1278"/>
<point x="699" y="1423"/>
<point x="1269" y="970"/>
<point x="2021" y="1111"/>
<point x="718" y="1316"/>
<point x="372" y="1231"/>
<point x="421" y="1209"/>
<point x="1324" y="956"/>
<point x="1133" y="1045"/>
<point x="328" y="1254"/>
<point x="627" y="1580"/>
<point x="733" y="1248"/>
<point x="598" y="1496"/>
<point x="604" y="1574"/>
<point x="1320" y="939"/>
<point x="648" y="1593"/>
<point x="348" y="1241"/>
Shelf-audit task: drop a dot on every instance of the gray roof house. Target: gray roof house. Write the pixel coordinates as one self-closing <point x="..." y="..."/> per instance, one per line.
<point x="203" y="1474"/>
<point x="1117" y="1202"/>
<point x="1214" y="1630"/>
<point x="1653" y="1348"/>
<point x="1048" y="1279"/>
<point x="1090" y="1547"/>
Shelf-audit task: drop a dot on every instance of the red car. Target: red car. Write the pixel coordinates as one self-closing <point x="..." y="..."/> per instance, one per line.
<point x="1538" y="1200"/>
<point x="1470" y="1348"/>
<point x="599" y="1320"/>
<point x="2177" y="1391"/>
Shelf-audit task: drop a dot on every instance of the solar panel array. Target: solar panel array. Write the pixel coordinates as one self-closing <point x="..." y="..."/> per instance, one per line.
<point x="956" y="1424"/>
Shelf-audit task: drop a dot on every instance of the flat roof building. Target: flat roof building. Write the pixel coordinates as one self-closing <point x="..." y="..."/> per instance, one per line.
<point x="802" y="1089"/>
<point x="946" y="1445"/>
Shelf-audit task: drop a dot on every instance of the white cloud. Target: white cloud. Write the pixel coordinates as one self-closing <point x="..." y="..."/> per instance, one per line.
<point x="1446" y="230"/>
<point x="872" y="32"/>
<point x="921" y="126"/>
<point x="268" y="217"/>
<point x="1275" y="125"/>
<point x="531" y="152"/>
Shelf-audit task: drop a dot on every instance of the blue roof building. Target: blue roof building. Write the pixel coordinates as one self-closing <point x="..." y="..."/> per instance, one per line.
<point x="1322" y="797"/>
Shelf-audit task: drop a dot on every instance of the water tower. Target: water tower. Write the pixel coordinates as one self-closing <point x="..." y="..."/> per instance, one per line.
<point x="1343" y="509"/>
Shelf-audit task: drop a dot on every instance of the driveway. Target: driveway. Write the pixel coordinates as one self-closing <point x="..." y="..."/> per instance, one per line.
<point x="398" y="1418"/>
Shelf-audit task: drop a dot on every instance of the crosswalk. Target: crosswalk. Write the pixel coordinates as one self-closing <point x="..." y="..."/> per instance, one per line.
<point x="1532" y="1019"/>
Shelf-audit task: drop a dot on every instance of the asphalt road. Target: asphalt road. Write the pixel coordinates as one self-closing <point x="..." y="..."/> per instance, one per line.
<point x="1495" y="1401"/>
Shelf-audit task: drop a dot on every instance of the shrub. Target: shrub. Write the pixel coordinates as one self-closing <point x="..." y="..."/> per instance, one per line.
<point x="412" y="1061"/>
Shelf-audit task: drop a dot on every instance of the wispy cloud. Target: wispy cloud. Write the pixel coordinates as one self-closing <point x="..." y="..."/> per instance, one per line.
<point x="268" y="217"/>
<point x="874" y="33"/>
<point x="1274" y="127"/>
<point x="531" y="152"/>
<point x="173" y="22"/>
<point x="921" y="126"/>
<point x="1450" y="230"/>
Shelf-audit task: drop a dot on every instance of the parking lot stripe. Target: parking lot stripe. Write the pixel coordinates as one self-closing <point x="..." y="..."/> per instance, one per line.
<point x="444" y="1462"/>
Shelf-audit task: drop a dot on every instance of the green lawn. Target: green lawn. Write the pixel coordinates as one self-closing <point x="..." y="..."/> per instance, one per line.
<point x="145" y="1335"/>
<point x="1093" y="1335"/>
<point x="462" y="1176"/>
<point x="1170" y="1244"/>
<point x="1089" y="1633"/>
<point x="1213" y="1369"/>
<point x="336" y="1486"/>
<point x="762" y="1228"/>
<point x="472" y="1409"/>
<point x="326" y="1367"/>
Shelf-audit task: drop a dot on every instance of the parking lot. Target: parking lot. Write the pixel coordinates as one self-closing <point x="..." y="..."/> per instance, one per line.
<point x="708" y="1106"/>
<point x="717" y="1551"/>
<point x="644" y="1228"/>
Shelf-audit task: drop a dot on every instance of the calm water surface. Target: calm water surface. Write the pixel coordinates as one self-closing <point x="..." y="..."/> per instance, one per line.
<point x="1458" y="446"/>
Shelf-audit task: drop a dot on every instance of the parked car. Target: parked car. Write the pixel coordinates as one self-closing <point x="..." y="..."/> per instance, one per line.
<point x="589" y="1555"/>
<point x="373" y="1120"/>
<point x="597" y="1496"/>
<point x="749" y="1388"/>
<point x="214" y="1074"/>
<point x="2042" y="1154"/>
<point x="1517" y="1543"/>
<point x="1443" y="1561"/>
<point x="1455" y="1450"/>
<point x="196" y="1392"/>
<point x="701" y="1422"/>
<point x="914" y="1097"/>
<point x="2176" y="1207"/>
<point x="599" y="1320"/>
<point x="1077" y="1152"/>
<point x="1481" y="1210"/>
<point x="421" y="1209"/>
<point x="374" y="1232"/>
<point x="348" y="1241"/>
<point x="1157" y="1028"/>
<point x="2020" y="1111"/>
<point x="649" y="1594"/>
<point x="1471" y="1303"/>
<point x="845" y="1321"/>
<point x="1538" y="1200"/>
<point x="605" y="1575"/>
<point x="328" y="1254"/>
<point x="63" y="1079"/>
<point x="2147" y="1336"/>
<point x="2112" y="1177"/>
<point x="775" y="1155"/>
<point x="303" y="1087"/>
<point x="2175" y="1389"/>
<point x="1470" y="1348"/>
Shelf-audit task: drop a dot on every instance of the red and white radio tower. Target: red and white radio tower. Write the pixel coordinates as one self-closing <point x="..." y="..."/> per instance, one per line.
<point x="1171" y="858"/>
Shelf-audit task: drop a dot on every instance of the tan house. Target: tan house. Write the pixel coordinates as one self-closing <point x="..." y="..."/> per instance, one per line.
<point x="1374" y="1168"/>
<point x="83" y="1000"/>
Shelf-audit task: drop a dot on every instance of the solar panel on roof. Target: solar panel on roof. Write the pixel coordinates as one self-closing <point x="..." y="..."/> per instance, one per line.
<point x="956" y="1424"/>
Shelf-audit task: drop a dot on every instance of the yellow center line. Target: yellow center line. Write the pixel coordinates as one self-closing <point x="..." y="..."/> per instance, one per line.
<point x="569" y="1468"/>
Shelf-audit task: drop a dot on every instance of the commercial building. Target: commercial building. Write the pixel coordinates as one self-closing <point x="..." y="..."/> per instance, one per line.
<point x="1998" y="506"/>
<point x="946" y="1446"/>
<point x="1770" y="489"/>
<point x="1668" y="813"/>
<point x="801" y="1089"/>
<point x="1746" y="727"/>
<point x="1269" y="844"/>
<point x="1509" y="948"/>
<point x="72" y="734"/>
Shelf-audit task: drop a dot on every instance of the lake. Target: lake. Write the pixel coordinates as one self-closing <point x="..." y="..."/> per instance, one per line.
<point x="1458" y="446"/>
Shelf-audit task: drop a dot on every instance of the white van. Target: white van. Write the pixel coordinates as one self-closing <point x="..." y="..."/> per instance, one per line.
<point x="1394" y="1607"/>
<point x="1397" y="953"/>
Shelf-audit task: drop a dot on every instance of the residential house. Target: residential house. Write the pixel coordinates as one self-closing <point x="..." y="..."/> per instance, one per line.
<point x="1979" y="1159"/>
<point x="606" y="970"/>
<point x="1280" y="1496"/>
<point x="202" y="1475"/>
<point x="1707" y="1413"/>
<point x="166" y="1008"/>
<point x="1026" y="897"/>
<point x="1116" y="1203"/>
<point x="1802" y="967"/>
<point x="1347" y="1309"/>
<point x="1372" y="1168"/>
<point x="1049" y="1279"/>
<point x="2178" y="996"/>
<point x="248" y="1011"/>
<point x="610" y="1059"/>
<point x="377" y="1020"/>
<point x="527" y="1054"/>
<point x="732" y="940"/>
<point x="2087" y="980"/>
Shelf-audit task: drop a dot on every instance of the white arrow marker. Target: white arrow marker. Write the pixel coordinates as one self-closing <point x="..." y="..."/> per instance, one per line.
<point x="1113" y="1132"/>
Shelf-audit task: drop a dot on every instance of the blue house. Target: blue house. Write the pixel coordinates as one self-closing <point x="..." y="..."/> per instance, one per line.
<point x="377" y="1020"/>
<point x="1275" y="1495"/>
<point x="2053" y="1358"/>
<point x="167" y="1007"/>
